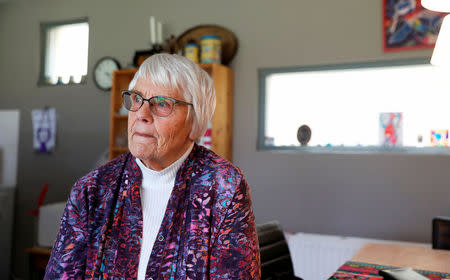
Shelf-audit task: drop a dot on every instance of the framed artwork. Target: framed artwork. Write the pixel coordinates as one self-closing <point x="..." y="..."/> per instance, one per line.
<point x="391" y="129"/>
<point x="407" y="25"/>
<point x="439" y="138"/>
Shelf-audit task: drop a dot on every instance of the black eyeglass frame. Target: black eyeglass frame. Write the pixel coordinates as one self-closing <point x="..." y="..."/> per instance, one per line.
<point x="175" y="101"/>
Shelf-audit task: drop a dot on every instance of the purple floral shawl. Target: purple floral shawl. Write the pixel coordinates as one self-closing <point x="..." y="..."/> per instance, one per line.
<point x="208" y="230"/>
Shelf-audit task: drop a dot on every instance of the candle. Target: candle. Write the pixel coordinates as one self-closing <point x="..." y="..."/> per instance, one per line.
<point x="152" y="30"/>
<point x="159" y="28"/>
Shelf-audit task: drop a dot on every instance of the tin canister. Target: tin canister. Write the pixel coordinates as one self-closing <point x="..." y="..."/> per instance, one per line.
<point x="211" y="49"/>
<point x="191" y="51"/>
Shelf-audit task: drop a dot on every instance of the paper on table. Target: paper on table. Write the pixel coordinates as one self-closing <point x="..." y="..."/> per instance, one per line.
<point x="401" y="274"/>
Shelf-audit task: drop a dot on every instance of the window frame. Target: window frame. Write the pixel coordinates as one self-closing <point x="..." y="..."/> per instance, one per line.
<point x="263" y="73"/>
<point x="44" y="27"/>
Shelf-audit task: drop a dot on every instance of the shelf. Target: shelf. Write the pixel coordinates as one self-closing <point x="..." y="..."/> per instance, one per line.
<point x="207" y="67"/>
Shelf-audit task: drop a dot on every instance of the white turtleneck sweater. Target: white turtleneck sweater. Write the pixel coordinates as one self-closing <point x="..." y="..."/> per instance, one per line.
<point x="155" y="193"/>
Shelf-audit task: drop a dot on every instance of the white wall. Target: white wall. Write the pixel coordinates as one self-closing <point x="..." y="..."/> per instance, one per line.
<point x="9" y="144"/>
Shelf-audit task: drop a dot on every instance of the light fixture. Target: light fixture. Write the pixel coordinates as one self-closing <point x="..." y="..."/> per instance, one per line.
<point x="442" y="6"/>
<point x="441" y="52"/>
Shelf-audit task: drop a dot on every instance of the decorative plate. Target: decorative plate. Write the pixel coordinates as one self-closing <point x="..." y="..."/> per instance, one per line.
<point x="229" y="40"/>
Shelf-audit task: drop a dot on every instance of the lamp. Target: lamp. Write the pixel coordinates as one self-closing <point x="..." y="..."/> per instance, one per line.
<point x="441" y="52"/>
<point x="442" y="6"/>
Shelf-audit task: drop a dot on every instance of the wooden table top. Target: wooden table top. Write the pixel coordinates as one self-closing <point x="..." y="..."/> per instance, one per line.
<point x="403" y="256"/>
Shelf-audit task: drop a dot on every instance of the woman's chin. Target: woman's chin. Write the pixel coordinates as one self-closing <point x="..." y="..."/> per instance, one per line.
<point x="142" y="151"/>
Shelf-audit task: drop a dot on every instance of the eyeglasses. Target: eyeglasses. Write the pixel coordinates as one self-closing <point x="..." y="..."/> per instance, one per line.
<point x="161" y="106"/>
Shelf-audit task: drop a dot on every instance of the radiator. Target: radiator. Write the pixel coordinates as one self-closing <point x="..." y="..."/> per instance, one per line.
<point x="317" y="256"/>
<point x="49" y="221"/>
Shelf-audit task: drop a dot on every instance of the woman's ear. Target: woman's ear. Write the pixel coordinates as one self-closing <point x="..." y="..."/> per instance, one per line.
<point x="194" y="136"/>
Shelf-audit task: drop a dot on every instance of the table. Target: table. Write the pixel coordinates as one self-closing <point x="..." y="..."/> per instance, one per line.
<point x="366" y="263"/>
<point x="402" y="256"/>
<point x="38" y="259"/>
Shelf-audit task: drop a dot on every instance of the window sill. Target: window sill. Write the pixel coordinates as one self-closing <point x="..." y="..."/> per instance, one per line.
<point x="359" y="150"/>
<point x="42" y="84"/>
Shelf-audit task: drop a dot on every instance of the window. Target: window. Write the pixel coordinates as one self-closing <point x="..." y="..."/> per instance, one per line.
<point x="348" y="107"/>
<point x="64" y="52"/>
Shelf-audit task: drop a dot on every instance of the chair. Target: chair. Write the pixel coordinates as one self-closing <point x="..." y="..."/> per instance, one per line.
<point x="276" y="261"/>
<point x="441" y="233"/>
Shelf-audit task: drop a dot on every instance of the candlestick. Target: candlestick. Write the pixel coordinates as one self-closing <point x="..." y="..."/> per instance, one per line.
<point x="152" y="30"/>
<point x="159" y="33"/>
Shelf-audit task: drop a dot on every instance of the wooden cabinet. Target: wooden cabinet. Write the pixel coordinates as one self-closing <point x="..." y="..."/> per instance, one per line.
<point x="118" y="123"/>
<point x="222" y="121"/>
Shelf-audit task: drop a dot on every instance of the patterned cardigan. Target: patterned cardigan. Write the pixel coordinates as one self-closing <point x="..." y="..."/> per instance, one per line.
<point x="208" y="230"/>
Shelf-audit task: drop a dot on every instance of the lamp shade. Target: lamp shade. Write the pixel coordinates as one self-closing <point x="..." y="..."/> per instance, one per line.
<point x="442" y="6"/>
<point x="441" y="53"/>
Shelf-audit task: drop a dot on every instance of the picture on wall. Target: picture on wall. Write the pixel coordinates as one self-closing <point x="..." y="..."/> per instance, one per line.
<point x="439" y="138"/>
<point x="407" y="25"/>
<point x="391" y="129"/>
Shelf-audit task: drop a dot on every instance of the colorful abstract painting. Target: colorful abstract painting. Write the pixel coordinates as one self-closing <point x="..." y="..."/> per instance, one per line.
<point x="407" y="25"/>
<point x="391" y="129"/>
<point x="439" y="138"/>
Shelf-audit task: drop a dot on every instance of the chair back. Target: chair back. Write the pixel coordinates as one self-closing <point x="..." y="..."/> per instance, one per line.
<point x="441" y="233"/>
<point x="275" y="256"/>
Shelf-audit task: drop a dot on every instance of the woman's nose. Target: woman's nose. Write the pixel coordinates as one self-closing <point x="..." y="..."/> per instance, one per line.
<point x="144" y="113"/>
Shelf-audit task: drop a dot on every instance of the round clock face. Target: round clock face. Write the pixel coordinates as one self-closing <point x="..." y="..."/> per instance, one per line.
<point x="103" y="72"/>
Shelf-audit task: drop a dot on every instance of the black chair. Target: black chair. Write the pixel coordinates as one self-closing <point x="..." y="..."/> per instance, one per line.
<point x="276" y="263"/>
<point x="441" y="233"/>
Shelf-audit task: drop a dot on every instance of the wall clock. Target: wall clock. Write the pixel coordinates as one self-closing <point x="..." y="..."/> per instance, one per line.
<point x="103" y="71"/>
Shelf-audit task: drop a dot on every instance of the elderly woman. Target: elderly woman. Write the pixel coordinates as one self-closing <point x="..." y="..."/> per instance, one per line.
<point x="170" y="209"/>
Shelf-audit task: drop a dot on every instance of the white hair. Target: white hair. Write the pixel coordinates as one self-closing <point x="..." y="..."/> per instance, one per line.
<point x="176" y="72"/>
